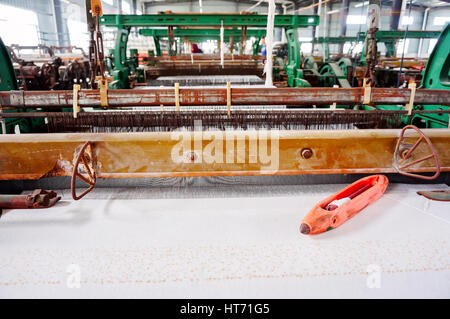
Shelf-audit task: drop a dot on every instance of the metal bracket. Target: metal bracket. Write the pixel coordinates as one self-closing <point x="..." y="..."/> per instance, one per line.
<point x="103" y="92"/>
<point x="75" y="106"/>
<point x="177" y="97"/>
<point x="16" y="98"/>
<point x="367" y="92"/>
<point x="86" y="157"/>
<point x="412" y="86"/>
<point x="404" y="151"/>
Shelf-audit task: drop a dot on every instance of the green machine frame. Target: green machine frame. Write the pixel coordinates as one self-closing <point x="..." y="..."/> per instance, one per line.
<point x="124" y="23"/>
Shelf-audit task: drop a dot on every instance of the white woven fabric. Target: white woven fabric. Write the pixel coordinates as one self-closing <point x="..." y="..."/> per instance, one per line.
<point x="225" y="242"/>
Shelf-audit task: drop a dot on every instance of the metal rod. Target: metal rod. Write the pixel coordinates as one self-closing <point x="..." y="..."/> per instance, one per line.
<point x="218" y="96"/>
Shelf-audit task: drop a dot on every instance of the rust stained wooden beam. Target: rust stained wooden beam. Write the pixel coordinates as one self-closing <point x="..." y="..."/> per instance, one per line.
<point x="218" y="96"/>
<point x="129" y="155"/>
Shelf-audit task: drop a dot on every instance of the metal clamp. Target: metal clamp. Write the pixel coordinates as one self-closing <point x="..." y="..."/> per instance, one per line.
<point x="16" y="98"/>
<point x="75" y="106"/>
<point x="367" y="92"/>
<point x="412" y="86"/>
<point x="103" y="92"/>
<point x="86" y="157"/>
<point x="177" y="97"/>
<point x="404" y="151"/>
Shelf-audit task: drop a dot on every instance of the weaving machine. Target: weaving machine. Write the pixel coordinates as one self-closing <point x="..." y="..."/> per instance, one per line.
<point x="49" y="68"/>
<point x="187" y="25"/>
<point x="346" y="70"/>
<point x="189" y="132"/>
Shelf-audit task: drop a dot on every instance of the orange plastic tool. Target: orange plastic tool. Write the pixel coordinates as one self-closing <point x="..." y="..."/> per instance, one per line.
<point x="338" y="208"/>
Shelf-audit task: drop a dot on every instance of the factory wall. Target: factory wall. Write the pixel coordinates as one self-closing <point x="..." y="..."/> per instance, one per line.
<point x="428" y="45"/>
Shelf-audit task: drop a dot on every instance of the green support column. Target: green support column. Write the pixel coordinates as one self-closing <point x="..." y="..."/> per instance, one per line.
<point x="256" y="46"/>
<point x="293" y="71"/>
<point x="157" y="46"/>
<point x="121" y="69"/>
<point x="390" y="49"/>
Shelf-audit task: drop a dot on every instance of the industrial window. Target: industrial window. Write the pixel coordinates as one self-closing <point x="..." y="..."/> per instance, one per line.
<point x="22" y="26"/>
<point x="441" y="20"/>
<point x="400" y="47"/>
<point x="407" y="20"/>
<point x="78" y="33"/>
<point x="305" y="44"/>
<point x="110" y="2"/>
<point x="126" y="8"/>
<point x="432" y="45"/>
<point x="356" y="19"/>
<point x="356" y="48"/>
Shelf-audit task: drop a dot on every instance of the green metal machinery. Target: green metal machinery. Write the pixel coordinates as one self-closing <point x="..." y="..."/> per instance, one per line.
<point x="124" y="23"/>
<point x="8" y="82"/>
<point x="435" y="76"/>
<point x="328" y="73"/>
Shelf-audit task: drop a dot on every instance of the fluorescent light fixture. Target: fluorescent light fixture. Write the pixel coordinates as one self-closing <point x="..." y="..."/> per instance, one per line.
<point x="333" y="11"/>
<point x="310" y="20"/>
<point x="359" y="5"/>
<point x="356" y="19"/>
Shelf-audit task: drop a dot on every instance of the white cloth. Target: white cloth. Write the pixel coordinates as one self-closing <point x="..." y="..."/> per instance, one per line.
<point x="225" y="242"/>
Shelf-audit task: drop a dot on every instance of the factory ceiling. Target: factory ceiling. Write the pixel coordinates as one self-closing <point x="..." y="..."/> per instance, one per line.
<point x="303" y="3"/>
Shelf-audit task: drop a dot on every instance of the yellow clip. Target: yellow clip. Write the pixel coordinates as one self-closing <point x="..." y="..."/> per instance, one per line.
<point x="367" y="92"/>
<point x="333" y="106"/>
<point x="229" y="98"/>
<point x="96" y="6"/>
<point x="412" y="86"/>
<point x="75" y="106"/>
<point x="103" y="92"/>
<point x="177" y="97"/>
